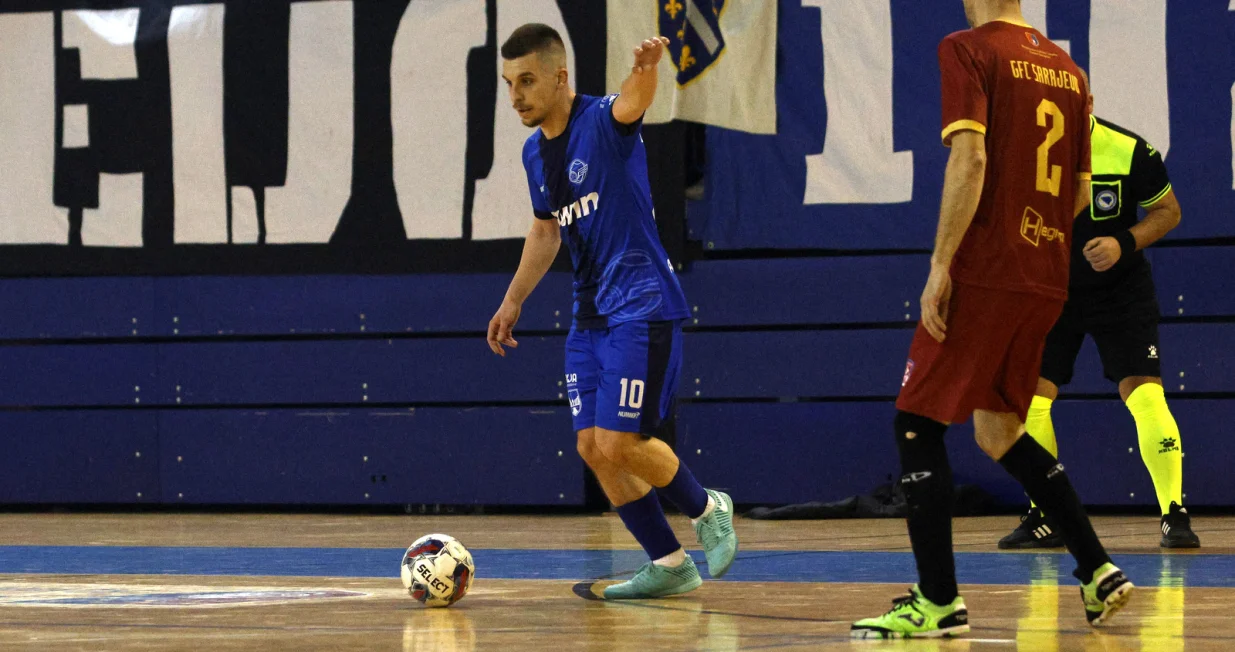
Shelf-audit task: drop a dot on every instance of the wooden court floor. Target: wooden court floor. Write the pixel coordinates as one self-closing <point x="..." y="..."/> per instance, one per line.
<point x="303" y="582"/>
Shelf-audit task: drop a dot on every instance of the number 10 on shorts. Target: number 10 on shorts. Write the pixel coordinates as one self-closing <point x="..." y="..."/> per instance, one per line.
<point x="632" y="394"/>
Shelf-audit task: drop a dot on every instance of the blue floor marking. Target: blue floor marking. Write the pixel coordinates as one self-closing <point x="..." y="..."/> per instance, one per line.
<point x="1193" y="570"/>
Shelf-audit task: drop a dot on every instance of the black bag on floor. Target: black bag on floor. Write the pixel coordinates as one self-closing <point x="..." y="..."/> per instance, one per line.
<point x="886" y="501"/>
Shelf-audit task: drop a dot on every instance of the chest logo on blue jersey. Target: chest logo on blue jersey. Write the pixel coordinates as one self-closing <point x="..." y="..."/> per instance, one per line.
<point x="578" y="171"/>
<point x="694" y="33"/>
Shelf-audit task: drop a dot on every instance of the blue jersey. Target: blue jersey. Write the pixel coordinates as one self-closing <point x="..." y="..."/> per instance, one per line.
<point x="593" y="180"/>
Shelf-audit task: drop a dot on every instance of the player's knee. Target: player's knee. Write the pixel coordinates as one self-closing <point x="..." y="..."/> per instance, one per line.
<point x="613" y="445"/>
<point x="1141" y="386"/>
<point x="995" y="442"/>
<point x="919" y="441"/>
<point x="1046" y="389"/>
<point x="588" y="449"/>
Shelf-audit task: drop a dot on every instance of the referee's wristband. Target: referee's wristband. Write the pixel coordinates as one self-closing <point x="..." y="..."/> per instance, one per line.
<point x="1127" y="243"/>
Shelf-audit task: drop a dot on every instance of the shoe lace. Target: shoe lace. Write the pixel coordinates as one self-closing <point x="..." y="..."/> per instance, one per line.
<point x="708" y="534"/>
<point x="903" y="602"/>
<point x="643" y="571"/>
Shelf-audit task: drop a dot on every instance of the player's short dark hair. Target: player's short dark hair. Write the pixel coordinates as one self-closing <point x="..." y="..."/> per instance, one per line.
<point x="529" y="38"/>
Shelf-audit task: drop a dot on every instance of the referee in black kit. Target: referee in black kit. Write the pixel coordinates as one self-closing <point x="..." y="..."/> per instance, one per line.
<point x="1111" y="298"/>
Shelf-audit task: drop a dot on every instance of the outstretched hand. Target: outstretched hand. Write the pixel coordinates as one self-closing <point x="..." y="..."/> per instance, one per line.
<point x="648" y="54"/>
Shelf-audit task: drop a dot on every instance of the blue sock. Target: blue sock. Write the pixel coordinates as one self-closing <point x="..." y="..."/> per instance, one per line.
<point x="646" y="520"/>
<point x="686" y="492"/>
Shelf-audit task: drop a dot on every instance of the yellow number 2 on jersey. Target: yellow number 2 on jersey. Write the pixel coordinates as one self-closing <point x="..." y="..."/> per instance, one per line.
<point x="1049" y="176"/>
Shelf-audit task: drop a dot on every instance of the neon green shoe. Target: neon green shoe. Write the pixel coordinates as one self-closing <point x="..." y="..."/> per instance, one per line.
<point x="654" y="581"/>
<point x="716" y="535"/>
<point x="913" y="616"/>
<point x="1109" y="592"/>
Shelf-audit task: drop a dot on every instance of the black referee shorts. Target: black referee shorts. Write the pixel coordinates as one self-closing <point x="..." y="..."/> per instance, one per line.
<point x="1126" y="333"/>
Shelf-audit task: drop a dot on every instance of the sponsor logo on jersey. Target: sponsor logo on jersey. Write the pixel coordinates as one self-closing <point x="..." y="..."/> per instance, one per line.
<point x="628" y="415"/>
<point x="1034" y="231"/>
<point x="578" y="171"/>
<point x="908" y="373"/>
<point x="581" y="208"/>
<point x="1033" y="38"/>
<point x="695" y="38"/>
<point x="576" y="401"/>
<point x="1153" y="352"/>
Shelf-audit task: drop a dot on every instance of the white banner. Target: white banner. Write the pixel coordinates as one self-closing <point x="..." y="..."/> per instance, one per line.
<point x="721" y="68"/>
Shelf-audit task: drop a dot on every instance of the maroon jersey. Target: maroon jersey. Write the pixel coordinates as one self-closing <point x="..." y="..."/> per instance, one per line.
<point x="1023" y="92"/>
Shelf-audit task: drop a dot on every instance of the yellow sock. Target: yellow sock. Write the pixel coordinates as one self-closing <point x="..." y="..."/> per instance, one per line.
<point x="1160" y="447"/>
<point x="1039" y="426"/>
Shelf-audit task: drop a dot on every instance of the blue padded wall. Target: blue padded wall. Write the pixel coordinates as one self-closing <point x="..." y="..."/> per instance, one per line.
<point x="1194" y="281"/>
<point x="796" y="363"/>
<point x="76" y="307"/>
<point x="79" y="456"/>
<point x="355" y="371"/>
<point x="351" y="304"/>
<point x="421" y="456"/>
<point x="78" y="374"/>
<point x="848" y="289"/>
<point x="217" y="355"/>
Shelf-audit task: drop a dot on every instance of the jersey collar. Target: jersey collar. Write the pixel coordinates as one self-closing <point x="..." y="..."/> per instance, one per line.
<point x="574" y="110"/>
<point x="1010" y="21"/>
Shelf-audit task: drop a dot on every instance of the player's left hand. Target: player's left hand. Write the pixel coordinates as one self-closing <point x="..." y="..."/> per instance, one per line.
<point x="935" y="301"/>
<point x="1102" y="253"/>
<point x="648" y="54"/>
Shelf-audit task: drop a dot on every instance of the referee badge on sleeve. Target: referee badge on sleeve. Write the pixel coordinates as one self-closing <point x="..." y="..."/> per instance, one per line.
<point x="1107" y="199"/>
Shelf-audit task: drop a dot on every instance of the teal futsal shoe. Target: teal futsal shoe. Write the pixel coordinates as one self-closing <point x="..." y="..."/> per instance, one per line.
<point x="716" y="535"/>
<point x="654" y="581"/>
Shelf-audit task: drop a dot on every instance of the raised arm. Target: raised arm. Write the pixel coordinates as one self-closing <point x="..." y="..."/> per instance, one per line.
<point x="639" y="89"/>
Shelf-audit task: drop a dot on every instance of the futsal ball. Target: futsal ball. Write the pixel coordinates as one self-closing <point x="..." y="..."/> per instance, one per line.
<point x="437" y="570"/>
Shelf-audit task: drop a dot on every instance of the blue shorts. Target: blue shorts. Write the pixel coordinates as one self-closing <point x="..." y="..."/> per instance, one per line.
<point x="625" y="378"/>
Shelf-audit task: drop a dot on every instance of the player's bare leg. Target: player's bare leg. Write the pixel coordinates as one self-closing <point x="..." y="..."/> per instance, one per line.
<point x="1034" y="531"/>
<point x="710" y="511"/>
<point x="1104" y="589"/>
<point x="670" y="571"/>
<point x="1162" y="452"/>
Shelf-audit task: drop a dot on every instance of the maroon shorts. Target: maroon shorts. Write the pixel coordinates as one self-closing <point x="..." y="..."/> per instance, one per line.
<point x="989" y="360"/>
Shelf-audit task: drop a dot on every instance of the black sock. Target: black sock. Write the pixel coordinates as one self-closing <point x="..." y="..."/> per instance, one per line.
<point x="927" y="482"/>
<point x="1048" y="486"/>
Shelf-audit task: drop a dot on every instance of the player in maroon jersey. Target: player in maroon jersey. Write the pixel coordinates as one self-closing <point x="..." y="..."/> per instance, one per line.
<point x="998" y="282"/>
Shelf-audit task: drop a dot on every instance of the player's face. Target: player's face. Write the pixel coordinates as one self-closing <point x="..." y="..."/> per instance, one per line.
<point x="533" y="87"/>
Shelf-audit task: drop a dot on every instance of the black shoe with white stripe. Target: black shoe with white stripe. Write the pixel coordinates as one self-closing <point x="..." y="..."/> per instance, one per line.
<point x="1033" y="532"/>
<point x="1177" y="529"/>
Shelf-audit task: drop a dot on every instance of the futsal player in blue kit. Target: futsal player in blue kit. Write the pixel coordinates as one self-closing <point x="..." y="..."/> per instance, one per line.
<point x="587" y="172"/>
